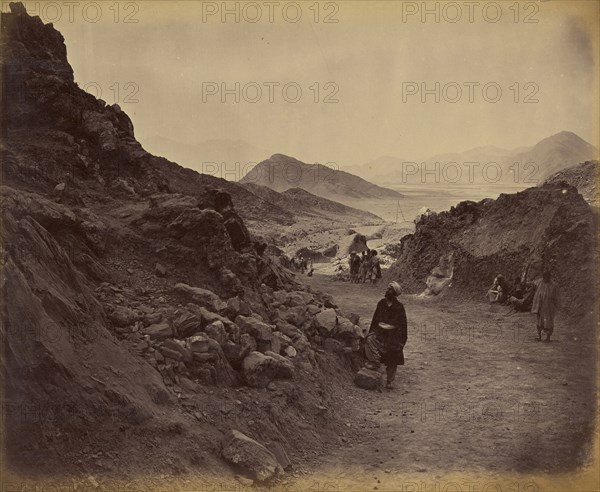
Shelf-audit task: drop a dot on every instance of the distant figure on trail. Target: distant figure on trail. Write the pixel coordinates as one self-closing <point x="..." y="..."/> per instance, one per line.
<point x="387" y="335"/>
<point x="310" y="269"/>
<point x="499" y="291"/>
<point x="364" y="266"/>
<point x="302" y="264"/>
<point x="545" y="305"/>
<point x="354" y="263"/>
<point x="375" y="267"/>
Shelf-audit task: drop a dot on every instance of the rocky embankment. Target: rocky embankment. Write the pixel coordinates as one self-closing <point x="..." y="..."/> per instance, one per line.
<point x="145" y="328"/>
<point x="464" y="248"/>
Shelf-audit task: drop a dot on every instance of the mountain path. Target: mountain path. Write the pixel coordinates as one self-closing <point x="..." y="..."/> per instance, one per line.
<point x="478" y="395"/>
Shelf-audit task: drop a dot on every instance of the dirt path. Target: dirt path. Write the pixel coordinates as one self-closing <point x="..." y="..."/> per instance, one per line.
<point x="478" y="395"/>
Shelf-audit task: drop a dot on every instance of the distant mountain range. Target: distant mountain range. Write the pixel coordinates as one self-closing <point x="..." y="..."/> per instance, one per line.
<point x="523" y="165"/>
<point x="231" y="156"/>
<point x="281" y="172"/>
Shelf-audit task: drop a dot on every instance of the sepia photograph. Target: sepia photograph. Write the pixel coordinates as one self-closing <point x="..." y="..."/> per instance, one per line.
<point x="299" y="246"/>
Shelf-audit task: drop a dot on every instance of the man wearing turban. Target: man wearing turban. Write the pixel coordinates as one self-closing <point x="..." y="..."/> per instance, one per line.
<point x="387" y="335"/>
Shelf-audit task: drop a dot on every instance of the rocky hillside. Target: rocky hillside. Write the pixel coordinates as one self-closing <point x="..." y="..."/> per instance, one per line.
<point x="142" y="321"/>
<point x="55" y="133"/>
<point x="550" y="225"/>
<point x="281" y="173"/>
<point x="584" y="177"/>
<point x="300" y="202"/>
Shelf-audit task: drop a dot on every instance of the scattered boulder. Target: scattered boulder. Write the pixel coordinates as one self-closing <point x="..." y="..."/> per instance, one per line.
<point x="179" y="347"/>
<point x="187" y="324"/>
<point x="285" y="368"/>
<point x="296" y="315"/>
<point x="328" y="301"/>
<point x="198" y="343"/>
<point x="283" y="340"/>
<point x="294" y="299"/>
<point x="122" y="316"/>
<point x="290" y="351"/>
<point x="258" y="329"/>
<point x="313" y="309"/>
<point x="347" y="329"/>
<point x="248" y="344"/>
<point x="216" y="331"/>
<point x="159" y="331"/>
<point x="152" y="318"/>
<point x="301" y="344"/>
<point x="251" y="456"/>
<point x="59" y="189"/>
<point x="236" y="352"/>
<point x="233" y="331"/>
<point x="204" y="297"/>
<point x="236" y="306"/>
<point x="208" y="316"/>
<point x="368" y="379"/>
<point x="260" y="369"/>
<point x="279" y="297"/>
<point x="326" y="320"/>
<point x="288" y="329"/>
<point x="298" y="298"/>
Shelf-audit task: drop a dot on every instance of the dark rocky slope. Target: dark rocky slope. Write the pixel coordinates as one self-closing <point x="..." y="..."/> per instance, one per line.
<point x="141" y="319"/>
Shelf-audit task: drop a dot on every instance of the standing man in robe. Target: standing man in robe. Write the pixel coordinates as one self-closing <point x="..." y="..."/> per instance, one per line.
<point x="545" y="304"/>
<point x="387" y="335"/>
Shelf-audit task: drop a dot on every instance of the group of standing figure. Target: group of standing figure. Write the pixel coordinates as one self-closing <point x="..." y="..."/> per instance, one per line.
<point x="364" y="268"/>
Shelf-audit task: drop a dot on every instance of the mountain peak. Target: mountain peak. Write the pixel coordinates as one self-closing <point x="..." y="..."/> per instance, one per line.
<point x="282" y="157"/>
<point x="564" y="136"/>
<point x="281" y="172"/>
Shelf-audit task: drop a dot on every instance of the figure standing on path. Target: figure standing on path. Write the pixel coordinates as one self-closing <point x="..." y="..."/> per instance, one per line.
<point x="354" y="263"/>
<point x="375" y="267"/>
<point x="545" y="304"/>
<point x="364" y="266"/>
<point x="387" y="335"/>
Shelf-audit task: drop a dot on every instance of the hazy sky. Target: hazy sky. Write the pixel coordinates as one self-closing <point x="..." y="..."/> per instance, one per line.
<point x="367" y="58"/>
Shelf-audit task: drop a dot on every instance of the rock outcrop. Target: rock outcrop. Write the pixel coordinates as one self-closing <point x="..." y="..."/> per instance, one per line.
<point x="584" y="177"/>
<point x="251" y="456"/>
<point x="549" y="226"/>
